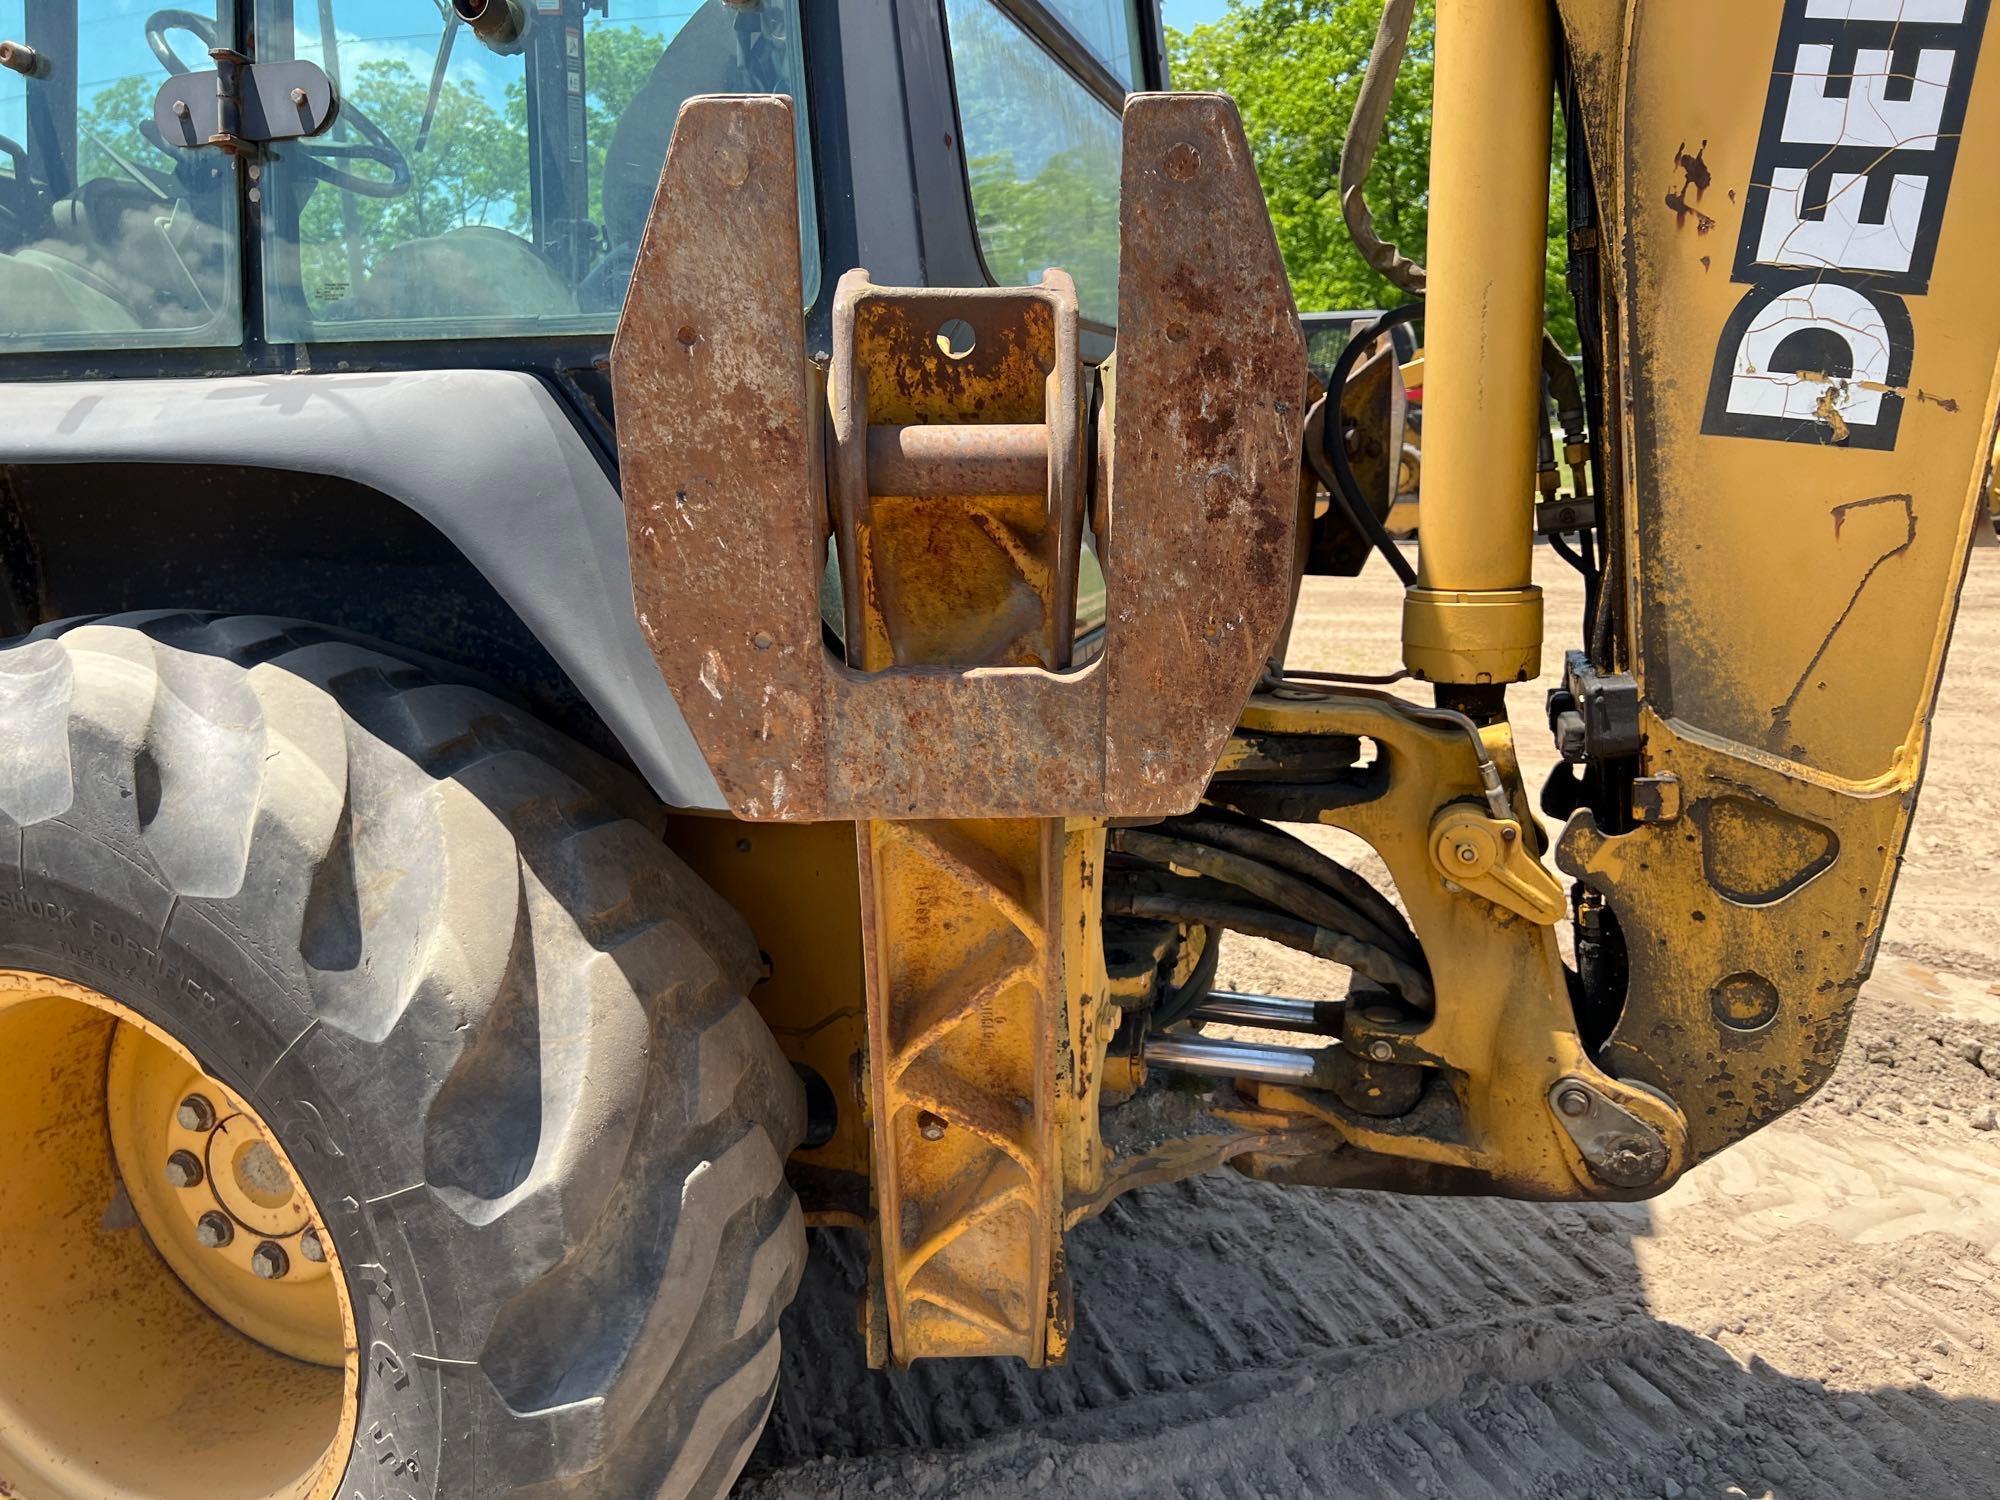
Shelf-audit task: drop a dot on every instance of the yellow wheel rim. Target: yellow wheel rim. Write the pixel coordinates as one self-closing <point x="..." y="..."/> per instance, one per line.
<point x="176" y="1324"/>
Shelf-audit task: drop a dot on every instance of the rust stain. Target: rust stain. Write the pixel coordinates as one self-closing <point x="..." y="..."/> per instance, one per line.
<point x="1677" y="201"/>
<point x="727" y="496"/>
<point x="1838" y="386"/>
<point x="1910" y="393"/>
<point x="1827" y="410"/>
<point x="1694" y="180"/>
<point x="1694" y="170"/>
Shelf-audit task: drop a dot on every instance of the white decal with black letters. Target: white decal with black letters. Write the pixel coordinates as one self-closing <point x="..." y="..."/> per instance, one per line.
<point x="1841" y="219"/>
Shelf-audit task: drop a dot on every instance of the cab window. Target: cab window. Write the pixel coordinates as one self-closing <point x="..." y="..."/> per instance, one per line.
<point x="1041" y="148"/>
<point x="1110" y="28"/>
<point x="108" y="239"/>
<point x="493" y="179"/>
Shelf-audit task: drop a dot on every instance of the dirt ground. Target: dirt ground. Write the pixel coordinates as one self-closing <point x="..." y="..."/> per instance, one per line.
<point x="1815" y="1313"/>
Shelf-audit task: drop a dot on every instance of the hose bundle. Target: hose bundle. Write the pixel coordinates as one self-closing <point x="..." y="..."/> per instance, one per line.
<point x="1217" y="870"/>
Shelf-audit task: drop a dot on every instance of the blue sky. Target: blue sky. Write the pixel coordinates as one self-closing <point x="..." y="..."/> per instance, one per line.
<point x="1186" y="13"/>
<point x="113" y="40"/>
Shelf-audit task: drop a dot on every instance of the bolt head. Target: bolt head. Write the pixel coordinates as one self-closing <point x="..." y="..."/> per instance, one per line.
<point x="312" y="1247"/>
<point x="299" y="98"/>
<point x="269" y="1261"/>
<point x="1467" y="855"/>
<point x="1574" y="1102"/>
<point x="180" y="109"/>
<point x="184" y="1170"/>
<point x="195" y="1113"/>
<point x="1381" y="1051"/>
<point x="931" y="1127"/>
<point x="214" y="1231"/>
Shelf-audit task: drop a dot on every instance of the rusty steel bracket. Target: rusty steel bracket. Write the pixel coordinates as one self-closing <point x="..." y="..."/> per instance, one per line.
<point x="240" y="105"/>
<point x="720" y="416"/>
<point x="944" y="452"/>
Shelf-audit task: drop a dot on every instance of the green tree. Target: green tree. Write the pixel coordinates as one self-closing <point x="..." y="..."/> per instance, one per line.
<point x="466" y="174"/>
<point x="1065" y="214"/>
<point x="1294" y="68"/>
<point x="617" y="62"/>
<point x="107" y="129"/>
<point x="1042" y="156"/>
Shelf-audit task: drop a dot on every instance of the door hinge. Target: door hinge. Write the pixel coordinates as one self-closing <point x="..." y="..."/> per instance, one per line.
<point x="243" y="104"/>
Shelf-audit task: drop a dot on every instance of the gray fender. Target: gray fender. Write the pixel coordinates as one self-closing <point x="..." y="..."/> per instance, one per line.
<point x="486" y="456"/>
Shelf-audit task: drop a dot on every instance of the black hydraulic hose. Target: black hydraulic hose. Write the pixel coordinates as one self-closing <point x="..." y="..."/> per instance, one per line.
<point x="1184" y="1001"/>
<point x="1254" y="921"/>
<point x="1275" y="888"/>
<point x="1288" y="852"/>
<point x="1569" y="555"/>
<point x="1586" y="545"/>
<point x="1341" y="483"/>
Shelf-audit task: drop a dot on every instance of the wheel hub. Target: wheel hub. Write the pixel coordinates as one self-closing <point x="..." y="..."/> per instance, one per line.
<point x="213" y="1189"/>
<point x="173" y="1320"/>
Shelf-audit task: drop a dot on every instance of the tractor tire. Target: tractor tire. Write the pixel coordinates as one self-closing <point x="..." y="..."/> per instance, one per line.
<point x="497" y="1028"/>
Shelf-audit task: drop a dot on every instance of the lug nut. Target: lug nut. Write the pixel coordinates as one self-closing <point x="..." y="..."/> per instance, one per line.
<point x="195" y="1113"/>
<point x="270" y="1261"/>
<point x="214" y="1230"/>
<point x="311" y="1247"/>
<point x="1574" y="1102"/>
<point x="1381" y="1051"/>
<point x="184" y="1169"/>
<point x="930" y="1126"/>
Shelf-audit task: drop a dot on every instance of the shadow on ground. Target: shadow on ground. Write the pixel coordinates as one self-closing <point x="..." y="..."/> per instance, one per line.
<point x="1235" y="1339"/>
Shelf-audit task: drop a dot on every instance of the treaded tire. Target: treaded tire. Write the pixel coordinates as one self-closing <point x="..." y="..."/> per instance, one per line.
<point x="499" y="1027"/>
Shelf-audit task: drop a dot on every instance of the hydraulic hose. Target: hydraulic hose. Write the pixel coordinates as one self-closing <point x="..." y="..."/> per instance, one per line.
<point x="1275" y="888"/>
<point x="1294" y="932"/>
<point x="1342" y="483"/>
<point x="1273" y="846"/>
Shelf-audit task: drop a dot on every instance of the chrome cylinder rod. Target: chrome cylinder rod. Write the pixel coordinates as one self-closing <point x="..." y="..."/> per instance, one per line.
<point x="1215" y="1058"/>
<point x="1271" y="1012"/>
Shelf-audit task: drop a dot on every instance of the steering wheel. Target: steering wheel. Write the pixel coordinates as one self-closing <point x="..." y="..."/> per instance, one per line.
<point x="321" y="158"/>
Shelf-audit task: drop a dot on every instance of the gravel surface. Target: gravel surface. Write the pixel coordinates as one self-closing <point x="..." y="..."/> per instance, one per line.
<point x="1814" y="1313"/>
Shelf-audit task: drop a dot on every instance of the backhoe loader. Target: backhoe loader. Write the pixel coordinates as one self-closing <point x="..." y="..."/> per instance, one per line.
<point x="629" y="635"/>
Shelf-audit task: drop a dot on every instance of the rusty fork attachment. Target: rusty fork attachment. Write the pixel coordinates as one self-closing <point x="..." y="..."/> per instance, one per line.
<point x="948" y="453"/>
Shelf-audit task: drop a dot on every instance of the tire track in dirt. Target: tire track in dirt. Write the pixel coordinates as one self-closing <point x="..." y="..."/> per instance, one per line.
<point x="1804" y="1326"/>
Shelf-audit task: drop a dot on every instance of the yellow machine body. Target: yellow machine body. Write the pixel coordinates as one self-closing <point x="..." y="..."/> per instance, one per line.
<point x="1795" y="344"/>
<point x="1807" y="328"/>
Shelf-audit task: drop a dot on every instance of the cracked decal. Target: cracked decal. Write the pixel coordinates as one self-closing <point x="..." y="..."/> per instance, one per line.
<point x="1847" y="195"/>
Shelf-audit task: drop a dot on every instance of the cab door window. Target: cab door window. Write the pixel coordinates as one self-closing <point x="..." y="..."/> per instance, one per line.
<point x="109" y="239"/>
<point x="1041" y="152"/>
<point x="491" y="177"/>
